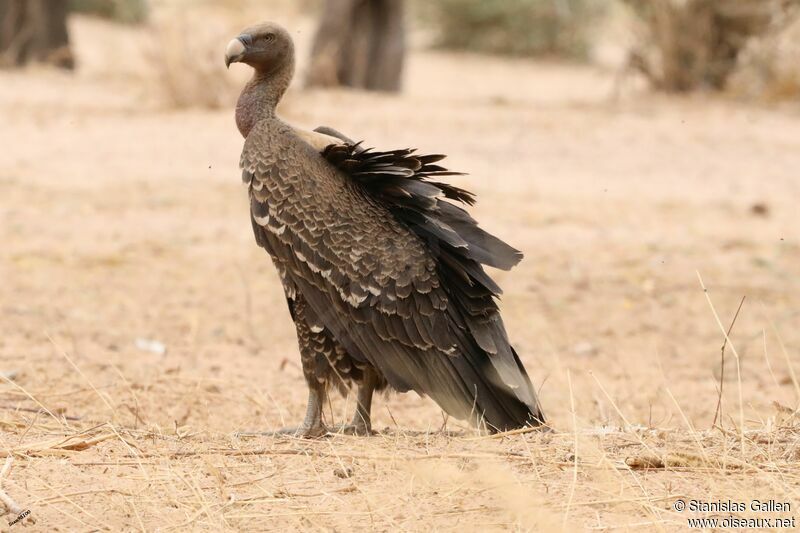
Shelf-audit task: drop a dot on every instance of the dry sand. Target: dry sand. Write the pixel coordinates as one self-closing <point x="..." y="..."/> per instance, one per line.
<point x="122" y="221"/>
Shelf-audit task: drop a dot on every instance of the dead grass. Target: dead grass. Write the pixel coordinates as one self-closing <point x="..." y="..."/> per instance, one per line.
<point x="183" y="52"/>
<point x="187" y="63"/>
<point x="124" y="223"/>
<point x="595" y="478"/>
<point x="770" y="68"/>
<point x="691" y="45"/>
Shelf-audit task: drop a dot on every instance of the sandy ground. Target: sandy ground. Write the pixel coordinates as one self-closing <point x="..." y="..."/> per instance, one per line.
<point x="124" y="222"/>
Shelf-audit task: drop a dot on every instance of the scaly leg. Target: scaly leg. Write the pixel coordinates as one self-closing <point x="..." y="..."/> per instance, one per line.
<point x="362" y="421"/>
<point x="312" y="426"/>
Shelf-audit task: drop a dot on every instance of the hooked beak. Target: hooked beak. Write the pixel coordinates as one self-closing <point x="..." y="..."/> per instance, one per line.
<point x="235" y="51"/>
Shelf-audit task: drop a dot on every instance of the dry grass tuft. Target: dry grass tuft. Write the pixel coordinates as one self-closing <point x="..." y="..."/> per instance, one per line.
<point x="187" y="61"/>
<point x="186" y="45"/>
<point x="126" y="11"/>
<point x="555" y="28"/>
<point x="687" y="45"/>
<point x="769" y="68"/>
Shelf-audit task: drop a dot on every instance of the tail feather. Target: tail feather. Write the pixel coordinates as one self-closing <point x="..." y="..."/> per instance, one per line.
<point x="503" y="395"/>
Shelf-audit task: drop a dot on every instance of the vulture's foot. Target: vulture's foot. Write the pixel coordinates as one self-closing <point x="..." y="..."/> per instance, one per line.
<point x="359" y="430"/>
<point x="302" y="431"/>
<point x="312" y="426"/>
<point x="316" y="431"/>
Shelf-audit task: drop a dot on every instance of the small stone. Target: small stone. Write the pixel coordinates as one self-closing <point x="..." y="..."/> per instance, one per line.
<point x="150" y="345"/>
<point x="585" y="349"/>
<point x="10" y="375"/>
<point x="759" y="209"/>
<point x="343" y="473"/>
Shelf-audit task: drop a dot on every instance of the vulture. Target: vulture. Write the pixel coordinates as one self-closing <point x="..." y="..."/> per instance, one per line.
<point x="381" y="267"/>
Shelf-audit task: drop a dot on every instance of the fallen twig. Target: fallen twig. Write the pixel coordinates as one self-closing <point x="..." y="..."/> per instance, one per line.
<point x="683" y="460"/>
<point x="75" y="443"/>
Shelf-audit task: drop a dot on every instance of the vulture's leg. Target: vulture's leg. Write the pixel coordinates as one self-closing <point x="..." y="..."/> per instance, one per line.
<point x="362" y="422"/>
<point x="313" y="345"/>
<point x="312" y="425"/>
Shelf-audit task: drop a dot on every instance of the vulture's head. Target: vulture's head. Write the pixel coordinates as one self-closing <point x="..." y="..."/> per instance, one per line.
<point x="265" y="47"/>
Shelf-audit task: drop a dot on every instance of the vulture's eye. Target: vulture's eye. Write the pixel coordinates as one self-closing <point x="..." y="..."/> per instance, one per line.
<point x="269" y="37"/>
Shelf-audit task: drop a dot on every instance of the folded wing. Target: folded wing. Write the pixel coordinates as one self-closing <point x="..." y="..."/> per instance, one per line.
<point x="394" y="268"/>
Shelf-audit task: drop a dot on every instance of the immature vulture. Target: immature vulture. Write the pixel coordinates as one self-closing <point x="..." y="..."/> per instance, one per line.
<point x="382" y="271"/>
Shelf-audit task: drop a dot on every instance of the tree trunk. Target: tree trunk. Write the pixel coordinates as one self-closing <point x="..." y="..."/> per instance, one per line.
<point x="34" y="30"/>
<point x="359" y="43"/>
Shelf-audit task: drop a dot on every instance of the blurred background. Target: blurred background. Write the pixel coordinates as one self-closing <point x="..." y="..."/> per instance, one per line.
<point x="624" y="146"/>
<point x="746" y="48"/>
<point x="636" y="151"/>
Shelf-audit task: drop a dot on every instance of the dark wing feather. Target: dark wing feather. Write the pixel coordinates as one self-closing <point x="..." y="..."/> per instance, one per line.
<point x="400" y="180"/>
<point x="394" y="276"/>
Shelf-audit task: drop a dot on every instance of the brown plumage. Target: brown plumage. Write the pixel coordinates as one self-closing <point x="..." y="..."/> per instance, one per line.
<point x="382" y="270"/>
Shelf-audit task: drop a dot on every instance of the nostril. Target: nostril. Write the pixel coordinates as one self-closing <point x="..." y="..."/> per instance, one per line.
<point x="246" y="39"/>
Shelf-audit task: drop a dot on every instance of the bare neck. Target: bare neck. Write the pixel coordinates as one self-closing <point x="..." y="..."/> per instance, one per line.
<point x="261" y="95"/>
